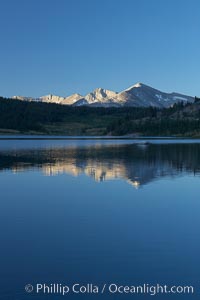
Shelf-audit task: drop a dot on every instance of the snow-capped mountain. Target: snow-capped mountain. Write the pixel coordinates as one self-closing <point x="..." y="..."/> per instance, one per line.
<point x="52" y="99"/>
<point x="100" y="96"/>
<point x="74" y="98"/>
<point x="138" y="95"/>
<point x="48" y="99"/>
<point x="144" y="95"/>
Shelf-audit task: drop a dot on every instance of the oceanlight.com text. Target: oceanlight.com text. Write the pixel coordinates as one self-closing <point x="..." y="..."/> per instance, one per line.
<point x="111" y="288"/>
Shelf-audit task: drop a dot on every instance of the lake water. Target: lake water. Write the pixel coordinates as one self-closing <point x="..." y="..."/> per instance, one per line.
<point x="122" y="212"/>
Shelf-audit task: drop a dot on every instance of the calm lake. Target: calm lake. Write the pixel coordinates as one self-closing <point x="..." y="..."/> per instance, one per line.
<point x="124" y="212"/>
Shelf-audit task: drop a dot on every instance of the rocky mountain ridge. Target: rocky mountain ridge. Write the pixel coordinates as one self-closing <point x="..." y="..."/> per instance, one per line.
<point x="138" y="95"/>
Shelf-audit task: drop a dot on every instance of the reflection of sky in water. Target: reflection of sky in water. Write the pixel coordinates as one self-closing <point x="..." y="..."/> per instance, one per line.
<point x="70" y="229"/>
<point x="31" y="143"/>
<point x="12" y="142"/>
<point x="64" y="228"/>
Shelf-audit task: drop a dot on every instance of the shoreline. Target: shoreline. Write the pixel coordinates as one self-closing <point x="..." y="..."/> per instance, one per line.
<point x="62" y="137"/>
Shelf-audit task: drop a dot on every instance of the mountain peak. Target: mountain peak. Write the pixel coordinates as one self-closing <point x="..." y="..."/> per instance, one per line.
<point x="98" y="89"/>
<point x="138" y="84"/>
<point x="100" y="95"/>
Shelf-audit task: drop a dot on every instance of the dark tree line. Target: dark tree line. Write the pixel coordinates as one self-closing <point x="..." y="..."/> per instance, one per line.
<point x="26" y="116"/>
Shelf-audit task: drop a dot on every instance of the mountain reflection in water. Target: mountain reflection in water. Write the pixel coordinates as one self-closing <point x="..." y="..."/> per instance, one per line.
<point x="138" y="164"/>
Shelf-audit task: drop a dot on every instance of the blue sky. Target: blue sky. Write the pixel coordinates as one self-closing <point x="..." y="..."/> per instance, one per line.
<point x="67" y="46"/>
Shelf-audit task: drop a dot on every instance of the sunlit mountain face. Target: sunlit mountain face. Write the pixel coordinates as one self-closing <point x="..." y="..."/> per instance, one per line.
<point x="138" y="164"/>
<point x="137" y="95"/>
